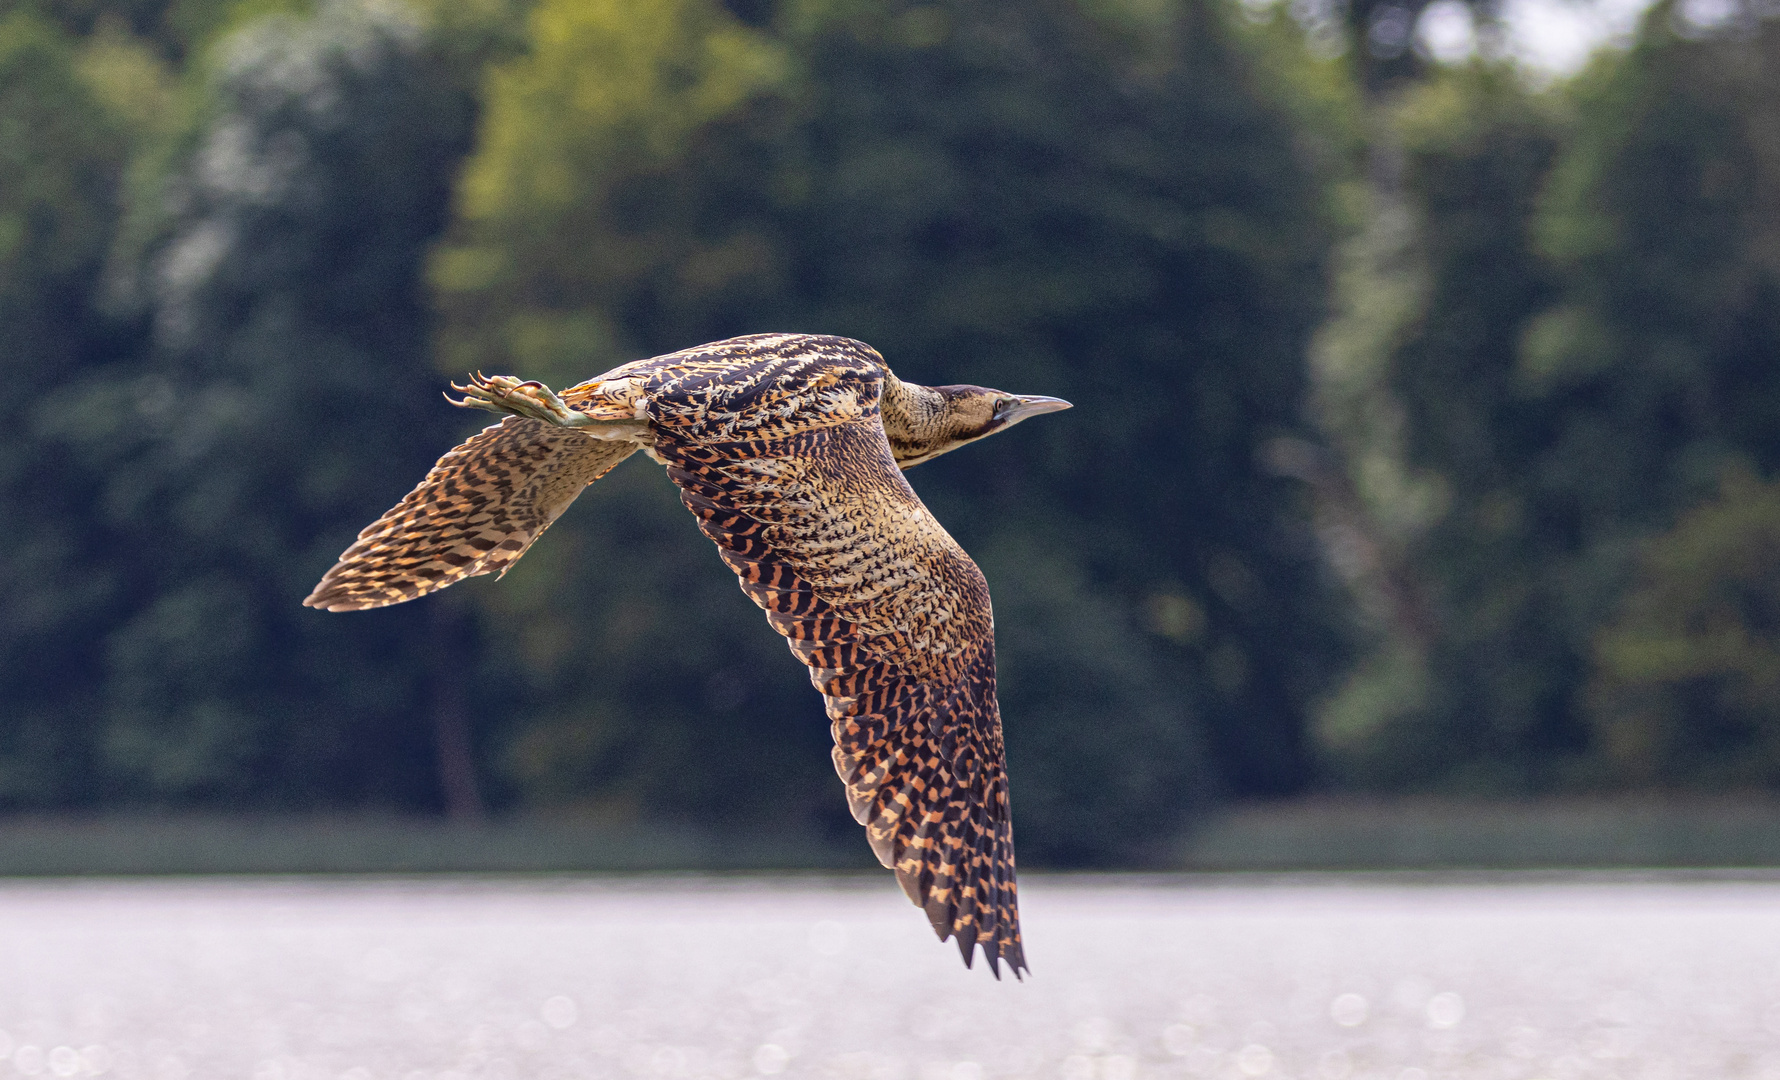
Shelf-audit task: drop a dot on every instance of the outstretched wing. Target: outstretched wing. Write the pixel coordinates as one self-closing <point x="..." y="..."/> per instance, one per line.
<point x="475" y="513"/>
<point x="890" y="615"/>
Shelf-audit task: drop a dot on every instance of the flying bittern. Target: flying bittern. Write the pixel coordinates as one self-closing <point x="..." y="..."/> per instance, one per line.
<point x="789" y="450"/>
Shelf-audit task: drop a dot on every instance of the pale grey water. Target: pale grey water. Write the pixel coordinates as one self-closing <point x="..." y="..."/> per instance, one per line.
<point x="1332" y="978"/>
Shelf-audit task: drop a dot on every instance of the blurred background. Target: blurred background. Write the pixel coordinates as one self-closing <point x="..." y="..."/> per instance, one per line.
<point x="1418" y="506"/>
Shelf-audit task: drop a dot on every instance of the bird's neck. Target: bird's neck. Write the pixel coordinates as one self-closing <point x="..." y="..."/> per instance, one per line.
<point x="915" y="421"/>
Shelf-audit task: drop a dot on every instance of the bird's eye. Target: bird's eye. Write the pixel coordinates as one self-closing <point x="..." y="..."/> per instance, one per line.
<point x="1002" y="405"/>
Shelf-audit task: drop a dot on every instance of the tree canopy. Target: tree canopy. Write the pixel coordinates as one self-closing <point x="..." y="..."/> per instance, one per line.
<point x="1425" y="426"/>
<point x="1590" y="356"/>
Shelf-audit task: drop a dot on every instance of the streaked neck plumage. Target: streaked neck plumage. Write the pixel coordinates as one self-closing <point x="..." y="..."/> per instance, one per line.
<point x="923" y="422"/>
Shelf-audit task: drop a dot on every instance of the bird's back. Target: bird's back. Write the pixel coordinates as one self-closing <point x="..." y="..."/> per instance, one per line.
<point x="762" y="386"/>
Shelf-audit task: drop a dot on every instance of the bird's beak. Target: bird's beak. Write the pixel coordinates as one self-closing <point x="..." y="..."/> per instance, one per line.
<point x="1031" y="405"/>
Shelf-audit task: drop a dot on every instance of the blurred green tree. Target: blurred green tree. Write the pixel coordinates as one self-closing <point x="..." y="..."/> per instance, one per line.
<point x="280" y="402"/>
<point x="1665" y="215"/>
<point x="174" y="31"/>
<point x="62" y="158"/>
<point x="1106" y="203"/>
<point x="1591" y="348"/>
<point x="1472" y="687"/>
<point x="1662" y="216"/>
<point x="1686" y="692"/>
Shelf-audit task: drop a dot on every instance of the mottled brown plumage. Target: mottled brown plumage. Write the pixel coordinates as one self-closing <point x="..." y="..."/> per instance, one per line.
<point x="788" y="450"/>
<point x="475" y="513"/>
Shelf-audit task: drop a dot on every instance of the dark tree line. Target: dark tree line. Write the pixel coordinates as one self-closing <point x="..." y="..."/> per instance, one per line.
<point x="1423" y="435"/>
<point x="1591" y="366"/>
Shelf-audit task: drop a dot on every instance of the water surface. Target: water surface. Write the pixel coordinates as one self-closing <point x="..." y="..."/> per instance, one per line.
<point x="1331" y="978"/>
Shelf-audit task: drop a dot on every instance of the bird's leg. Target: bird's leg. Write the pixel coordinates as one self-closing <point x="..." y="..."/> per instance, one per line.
<point x="530" y="398"/>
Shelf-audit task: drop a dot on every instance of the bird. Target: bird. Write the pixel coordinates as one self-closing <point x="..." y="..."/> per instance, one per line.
<point x="789" y="451"/>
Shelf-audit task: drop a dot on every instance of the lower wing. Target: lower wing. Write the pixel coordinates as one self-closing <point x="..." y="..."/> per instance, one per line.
<point x="476" y="512"/>
<point x="893" y="620"/>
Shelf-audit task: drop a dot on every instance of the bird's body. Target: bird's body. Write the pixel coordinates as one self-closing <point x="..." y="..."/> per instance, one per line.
<point x="788" y="450"/>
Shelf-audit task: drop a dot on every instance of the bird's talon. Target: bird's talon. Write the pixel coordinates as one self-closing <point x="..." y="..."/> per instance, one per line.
<point x="529" y="398"/>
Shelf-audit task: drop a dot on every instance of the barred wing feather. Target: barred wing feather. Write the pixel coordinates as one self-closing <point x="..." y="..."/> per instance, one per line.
<point x="893" y="620"/>
<point x="477" y="512"/>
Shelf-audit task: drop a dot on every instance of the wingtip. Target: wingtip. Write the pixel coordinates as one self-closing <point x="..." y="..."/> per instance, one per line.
<point x="966" y="938"/>
<point x="995" y="954"/>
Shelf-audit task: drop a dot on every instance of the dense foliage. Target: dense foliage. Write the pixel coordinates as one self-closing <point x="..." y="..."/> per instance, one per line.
<point x="264" y="383"/>
<point x="1593" y="353"/>
<point x="62" y="159"/>
<point x="1426" y="423"/>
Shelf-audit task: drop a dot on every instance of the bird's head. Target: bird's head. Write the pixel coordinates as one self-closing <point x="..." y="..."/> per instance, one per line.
<point x="923" y="422"/>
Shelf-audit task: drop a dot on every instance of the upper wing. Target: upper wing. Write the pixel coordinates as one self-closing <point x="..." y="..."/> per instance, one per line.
<point x="893" y="619"/>
<point x="476" y="512"/>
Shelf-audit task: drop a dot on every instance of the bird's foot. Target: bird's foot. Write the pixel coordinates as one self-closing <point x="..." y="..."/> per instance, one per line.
<point x="529" y="398"/>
